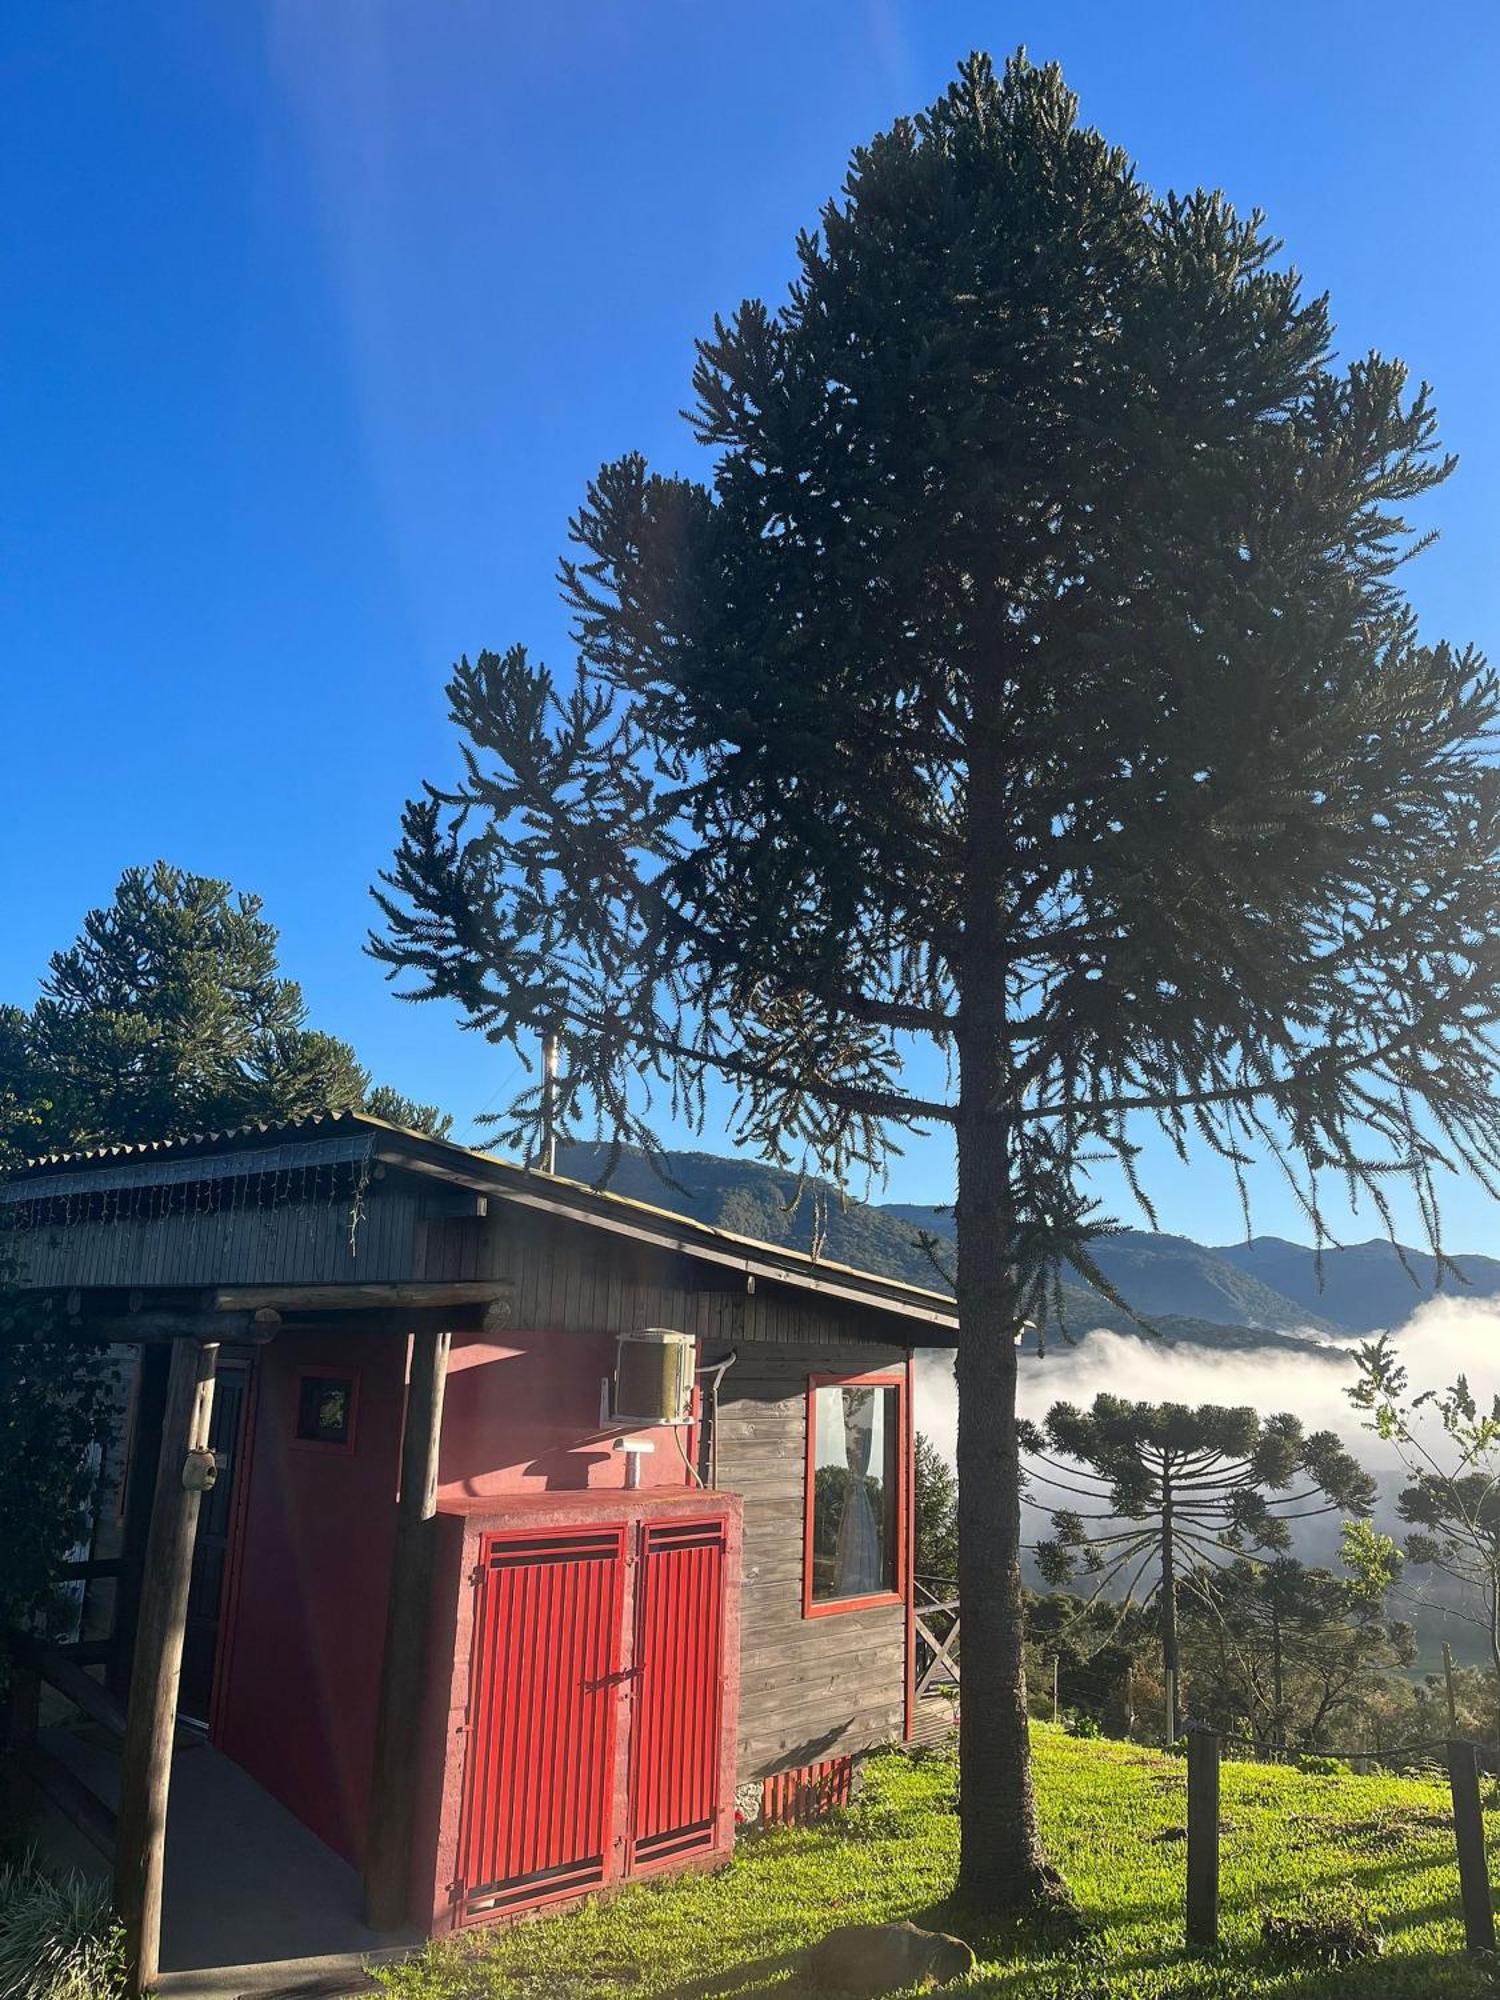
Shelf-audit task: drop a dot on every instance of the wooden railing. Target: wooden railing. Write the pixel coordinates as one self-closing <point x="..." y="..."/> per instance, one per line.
<point x="32" y="1664"/>
<point x="935" y="1680"/>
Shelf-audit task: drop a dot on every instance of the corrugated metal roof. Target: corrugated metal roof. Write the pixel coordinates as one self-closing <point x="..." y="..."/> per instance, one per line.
<point x="322" y="1121"/>
<point x="85" y="1173"/>
<point x="305" y="1140"/>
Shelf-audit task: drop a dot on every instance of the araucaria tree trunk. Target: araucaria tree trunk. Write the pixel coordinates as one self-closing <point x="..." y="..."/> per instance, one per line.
<point x="1170" y="1655"/>
<point x="1002" y="1866"/>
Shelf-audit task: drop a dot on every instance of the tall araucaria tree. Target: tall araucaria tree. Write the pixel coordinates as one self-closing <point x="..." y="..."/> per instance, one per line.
<point x="1028" y="680"/>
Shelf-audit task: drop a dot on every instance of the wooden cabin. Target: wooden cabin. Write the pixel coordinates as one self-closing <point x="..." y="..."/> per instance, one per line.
<point x="504" y="1604"/>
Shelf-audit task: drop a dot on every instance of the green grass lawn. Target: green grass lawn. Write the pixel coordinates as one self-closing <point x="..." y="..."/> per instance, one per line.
<point x="1113" y="1816"/>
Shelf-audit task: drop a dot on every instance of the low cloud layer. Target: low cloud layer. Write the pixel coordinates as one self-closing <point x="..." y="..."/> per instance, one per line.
<point x="1442" y="1339"/>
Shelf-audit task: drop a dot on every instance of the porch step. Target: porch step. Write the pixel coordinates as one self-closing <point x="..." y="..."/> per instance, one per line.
<point x="327" y="1978"/>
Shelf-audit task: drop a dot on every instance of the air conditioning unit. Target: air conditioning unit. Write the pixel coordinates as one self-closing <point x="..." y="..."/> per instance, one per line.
<point x="654" y="1377"/>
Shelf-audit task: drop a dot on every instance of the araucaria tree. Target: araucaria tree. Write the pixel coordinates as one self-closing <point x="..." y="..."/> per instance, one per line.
<point x="1172" y="1492"/>
<point x="1021" y="733"/>
<point x="169" y="1014"/>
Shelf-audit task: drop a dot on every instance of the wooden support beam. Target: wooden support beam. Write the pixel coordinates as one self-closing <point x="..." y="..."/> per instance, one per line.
<point x="151" y="1325"/>
<point x="183" y="1469"/>
<point x="360" y="1298"/>
<point x="404" y="1664"/>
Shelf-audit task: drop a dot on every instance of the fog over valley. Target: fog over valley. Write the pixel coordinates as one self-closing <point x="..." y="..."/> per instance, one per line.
<point x="1441" y="1339"/>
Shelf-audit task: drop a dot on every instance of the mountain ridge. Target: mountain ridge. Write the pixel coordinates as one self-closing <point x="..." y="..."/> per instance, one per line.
<point x="1261" y="1293"/>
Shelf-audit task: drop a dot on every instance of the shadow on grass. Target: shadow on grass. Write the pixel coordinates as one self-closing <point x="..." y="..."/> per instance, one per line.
<point x="756" y="1975"/>
<point x="1018" y="1946"/>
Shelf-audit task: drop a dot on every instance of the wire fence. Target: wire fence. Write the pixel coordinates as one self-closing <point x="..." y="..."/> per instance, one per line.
<point x="1431" y="1750"/>
<point x="1464" y="1761"/>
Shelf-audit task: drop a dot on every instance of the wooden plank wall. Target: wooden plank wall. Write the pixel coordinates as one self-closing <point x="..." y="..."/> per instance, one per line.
<point x="571" y="1278"/>
<point x="809" y="1687"/>
<point x="303" y="1243"/>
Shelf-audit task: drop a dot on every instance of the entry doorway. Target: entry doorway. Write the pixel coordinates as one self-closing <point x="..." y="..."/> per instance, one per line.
<point x="211" y="1551"/>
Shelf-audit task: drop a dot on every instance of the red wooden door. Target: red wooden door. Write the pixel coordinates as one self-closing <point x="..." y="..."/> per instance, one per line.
<point x="538" y="1817"/>
<point x="675" y="1747"/>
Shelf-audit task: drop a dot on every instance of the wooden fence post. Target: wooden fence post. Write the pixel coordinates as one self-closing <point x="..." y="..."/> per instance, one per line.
<point x="1468" y="1829"/>
<point x="1202" y="1837"/>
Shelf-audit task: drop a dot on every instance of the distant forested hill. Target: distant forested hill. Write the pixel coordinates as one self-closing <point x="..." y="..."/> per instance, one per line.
<point x="1262" y="1294"/>
<point x="1365" y="1286"/>
<point x="1172" y="1274"/>
<point x="754" y="1200"/>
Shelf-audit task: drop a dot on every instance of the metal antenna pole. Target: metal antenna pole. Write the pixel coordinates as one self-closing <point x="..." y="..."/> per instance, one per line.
<point x="550" y="1046"/>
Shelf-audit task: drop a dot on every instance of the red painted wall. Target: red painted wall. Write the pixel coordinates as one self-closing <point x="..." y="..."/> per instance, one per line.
<point x="299" y="1676"/>
<point x="522" y="1416"/>
<point x="304" y="1627"/>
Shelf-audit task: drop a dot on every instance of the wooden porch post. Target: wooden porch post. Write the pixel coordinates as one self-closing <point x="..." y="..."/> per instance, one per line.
<point x="182" y="1472"/>
<point x="403" y="1665"/>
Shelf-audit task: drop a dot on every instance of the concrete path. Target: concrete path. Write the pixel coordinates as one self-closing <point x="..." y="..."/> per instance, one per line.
<point x="254" y="1904"/>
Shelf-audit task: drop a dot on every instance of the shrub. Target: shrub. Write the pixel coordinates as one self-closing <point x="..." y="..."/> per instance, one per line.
<point x="1318" y="1766"/>
<point x="58" y="1939"/>
<point x="1082" y="1724"/>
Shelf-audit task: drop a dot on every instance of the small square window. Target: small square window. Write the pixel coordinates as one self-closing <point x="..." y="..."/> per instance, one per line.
<point x="325" y="1409"/>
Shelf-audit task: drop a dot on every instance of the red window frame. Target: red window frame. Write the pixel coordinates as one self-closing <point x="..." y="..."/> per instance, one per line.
<point x="883" y="1378"/>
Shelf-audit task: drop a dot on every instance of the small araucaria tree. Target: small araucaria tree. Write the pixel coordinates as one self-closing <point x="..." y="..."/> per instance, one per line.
<point x="1171" y="1491"/>
<point x="1450" y="1448"/>
<point x="1019" y="733"/>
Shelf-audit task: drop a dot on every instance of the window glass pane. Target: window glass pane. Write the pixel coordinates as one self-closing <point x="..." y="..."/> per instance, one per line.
<point x="325" y="1404"/>
<point x="856" y="1442"/>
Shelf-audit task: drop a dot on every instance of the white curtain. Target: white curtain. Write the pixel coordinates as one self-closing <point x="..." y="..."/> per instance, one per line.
<point x="859" y="1565"/>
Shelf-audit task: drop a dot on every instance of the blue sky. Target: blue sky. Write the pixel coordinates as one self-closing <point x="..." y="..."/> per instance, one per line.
<point x="316" y="316"/>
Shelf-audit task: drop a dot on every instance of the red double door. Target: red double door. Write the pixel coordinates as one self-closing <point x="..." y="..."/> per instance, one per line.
<point x="595" y="1740"/>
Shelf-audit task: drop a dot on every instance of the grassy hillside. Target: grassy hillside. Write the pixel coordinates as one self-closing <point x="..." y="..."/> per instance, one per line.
<point x="1113" y="1815"/>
